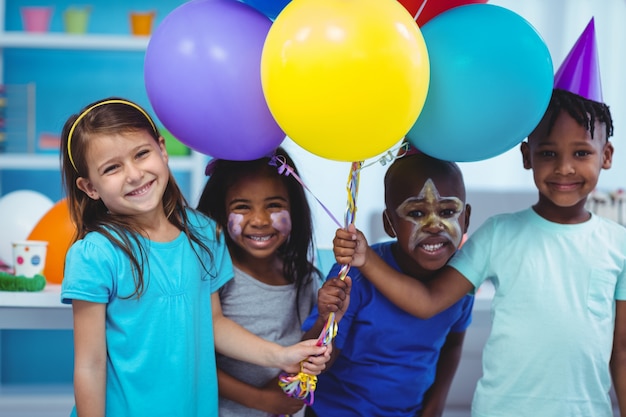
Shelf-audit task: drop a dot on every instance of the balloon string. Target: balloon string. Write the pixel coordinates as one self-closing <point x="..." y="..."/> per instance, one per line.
<point x="330" y="329"/>
<point x="419" y="12"/>
<point x="284" y="169"/>
<point x="302" y="385"/>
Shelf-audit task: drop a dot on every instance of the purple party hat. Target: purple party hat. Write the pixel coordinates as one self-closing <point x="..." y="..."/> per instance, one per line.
<point x="580" y="71"/>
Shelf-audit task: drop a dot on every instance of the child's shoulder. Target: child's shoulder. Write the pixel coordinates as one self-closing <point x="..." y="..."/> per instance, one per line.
<point x="199" y="219"/>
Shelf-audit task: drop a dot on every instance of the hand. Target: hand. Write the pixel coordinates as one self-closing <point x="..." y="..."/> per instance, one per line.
<point x="274" y="400"/>
<point x="350" y="247"/>
<point x="334" y="297"/>
<point x="305" y="356"/>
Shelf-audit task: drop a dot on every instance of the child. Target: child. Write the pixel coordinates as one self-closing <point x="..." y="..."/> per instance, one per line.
<point x="559" y="316"/>
<point x="387" y="361"/>
<point x="266" y="220"/>
<point x="142" y="277"/>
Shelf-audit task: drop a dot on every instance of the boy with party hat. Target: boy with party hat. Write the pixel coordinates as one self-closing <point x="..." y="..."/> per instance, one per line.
<point x="559" y="310"/>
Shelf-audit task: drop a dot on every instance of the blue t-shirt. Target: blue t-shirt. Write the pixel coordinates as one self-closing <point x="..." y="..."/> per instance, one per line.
<point x="161" y="359"/>
<point x="388" y="357"/>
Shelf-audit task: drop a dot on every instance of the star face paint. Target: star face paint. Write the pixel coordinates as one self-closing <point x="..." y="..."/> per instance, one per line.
<point x="281" y="221"/>
<point x="431" y="214"/>
<point x="234" y="225"/>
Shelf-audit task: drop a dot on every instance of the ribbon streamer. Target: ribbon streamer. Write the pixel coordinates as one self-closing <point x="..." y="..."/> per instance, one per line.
<point x="302" y="385"/>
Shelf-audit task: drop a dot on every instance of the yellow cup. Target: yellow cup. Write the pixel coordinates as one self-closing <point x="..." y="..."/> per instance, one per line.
<point x="141" y="23"/>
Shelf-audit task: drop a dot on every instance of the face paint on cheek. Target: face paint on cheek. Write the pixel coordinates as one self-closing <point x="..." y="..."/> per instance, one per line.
<point x="234" y="225"/>
<point x="281" y="221"/>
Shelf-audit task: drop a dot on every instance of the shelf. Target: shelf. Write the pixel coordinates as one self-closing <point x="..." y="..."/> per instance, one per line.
<point x="52" y="40"/>
<point x="35" y="310"/>
<point x="45" y="162"/>
<point x="41" y="400"/>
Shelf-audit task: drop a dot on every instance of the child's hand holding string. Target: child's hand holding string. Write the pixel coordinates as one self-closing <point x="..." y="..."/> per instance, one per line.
<point x="334" y="297"/>
<point x="350" y="247"/>
<point x="305" y="356"/>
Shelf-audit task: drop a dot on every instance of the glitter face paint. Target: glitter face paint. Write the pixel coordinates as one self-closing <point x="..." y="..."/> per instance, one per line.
<point x="234" y="225"/>
<point x="431" y="210"/>
<point x="281" y="221"/>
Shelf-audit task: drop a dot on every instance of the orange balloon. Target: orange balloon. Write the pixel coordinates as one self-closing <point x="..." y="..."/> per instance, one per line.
<point x="57" y="229"/>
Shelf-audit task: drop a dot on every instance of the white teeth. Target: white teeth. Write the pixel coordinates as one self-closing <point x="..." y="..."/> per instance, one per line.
<point x="432" y="248"/>
<point x="260" y="238"/>
<point x="141" y="190"/>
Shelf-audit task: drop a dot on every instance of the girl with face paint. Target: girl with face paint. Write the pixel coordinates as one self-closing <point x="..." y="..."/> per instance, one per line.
<point x="266" y="220"/>
<point x="385" y="361"/>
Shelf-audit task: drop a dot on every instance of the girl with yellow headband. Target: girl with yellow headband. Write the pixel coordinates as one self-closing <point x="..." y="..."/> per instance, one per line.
<point x="142" y="276"/>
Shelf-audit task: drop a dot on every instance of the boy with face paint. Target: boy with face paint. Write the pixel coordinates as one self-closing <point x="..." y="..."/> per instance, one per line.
<point x="388" y="362"/>
<point x="559" y="310"/>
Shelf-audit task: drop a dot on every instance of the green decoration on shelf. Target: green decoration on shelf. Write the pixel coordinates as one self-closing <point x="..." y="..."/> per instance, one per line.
<point x="10" y="282"/>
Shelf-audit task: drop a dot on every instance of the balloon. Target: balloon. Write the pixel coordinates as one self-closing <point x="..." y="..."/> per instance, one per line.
<point x="345" y="79"/>
<point x="19" y="213"/>
<point x="203" y="80"/>
<point x="491" y="83"/>
<point x="270" y="8"/>
<point x="425" y="10"/>
<point x="57" y="229"/>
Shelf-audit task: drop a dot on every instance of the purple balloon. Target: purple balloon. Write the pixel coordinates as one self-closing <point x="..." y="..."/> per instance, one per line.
<point x="202" y="76"/>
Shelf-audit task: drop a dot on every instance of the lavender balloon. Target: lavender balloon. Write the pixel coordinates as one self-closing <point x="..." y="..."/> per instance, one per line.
<point x="202" y="76"/>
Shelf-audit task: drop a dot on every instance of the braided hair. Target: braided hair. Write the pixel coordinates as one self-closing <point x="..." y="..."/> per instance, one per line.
<point x="585" y="112"/>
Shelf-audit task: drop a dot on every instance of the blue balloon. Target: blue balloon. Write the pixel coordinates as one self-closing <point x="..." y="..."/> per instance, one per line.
<point x="491" y="82"/>
<point x="270" y="8"/>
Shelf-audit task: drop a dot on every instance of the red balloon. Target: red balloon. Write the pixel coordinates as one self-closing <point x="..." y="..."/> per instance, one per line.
<point x="57" y="229"/>
<point x="433" y="7"/>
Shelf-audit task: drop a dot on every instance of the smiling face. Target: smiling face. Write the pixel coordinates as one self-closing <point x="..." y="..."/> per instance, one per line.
<point x="128" y="172"/>
<point x="259" y="219"/>
<point x="427" y="214"/>
<point x="566" y="164"/>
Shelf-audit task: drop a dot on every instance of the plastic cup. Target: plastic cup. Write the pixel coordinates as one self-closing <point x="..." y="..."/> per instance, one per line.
<point x="29" y="257"/>
<point x="141" y="23"/>
<point x="36" y="19"/>
<point x="75" y="19"/>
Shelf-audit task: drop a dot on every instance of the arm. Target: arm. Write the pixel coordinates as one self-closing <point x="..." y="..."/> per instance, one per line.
<point x="618" y="357"/>
<point x="90" y="355"/>
<point x="334" y="296"/>
<point x="236" y="342"/>
<point x="422" y="300"/>
<point x="269" y="398"/>
<point x="449" y="358"/>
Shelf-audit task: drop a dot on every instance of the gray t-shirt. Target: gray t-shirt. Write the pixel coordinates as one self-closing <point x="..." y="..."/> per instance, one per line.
<point x="268" y="311"/>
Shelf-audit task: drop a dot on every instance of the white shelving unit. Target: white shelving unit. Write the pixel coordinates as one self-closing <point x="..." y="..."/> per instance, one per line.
<point x="192" y="164"/>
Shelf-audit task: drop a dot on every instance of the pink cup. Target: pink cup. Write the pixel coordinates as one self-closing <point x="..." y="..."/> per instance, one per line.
<point x="36" y="19"/>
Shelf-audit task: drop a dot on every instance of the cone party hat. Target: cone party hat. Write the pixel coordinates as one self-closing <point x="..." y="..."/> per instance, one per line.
<point x="580" y="71"/>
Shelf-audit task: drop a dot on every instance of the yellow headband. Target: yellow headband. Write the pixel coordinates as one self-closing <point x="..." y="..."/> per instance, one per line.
<point x="102" y="103"/>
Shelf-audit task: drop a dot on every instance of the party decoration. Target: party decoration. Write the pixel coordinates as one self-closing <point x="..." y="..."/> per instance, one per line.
<point x="345" y="79"/>
<point x="57" y="229"/>
<point x="491" y="82"/>
<point x="202" y="77"/>
<point x="270" y="8"/>
<point x="424" y="10"/>
<point x="302" y="385"/>
<point x="19" y="212"/>
<point x="580" y="71"/>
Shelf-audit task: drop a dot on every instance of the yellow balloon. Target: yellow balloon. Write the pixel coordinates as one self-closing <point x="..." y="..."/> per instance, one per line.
<point x="345" y="79"/>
